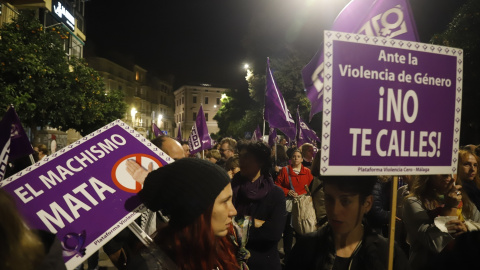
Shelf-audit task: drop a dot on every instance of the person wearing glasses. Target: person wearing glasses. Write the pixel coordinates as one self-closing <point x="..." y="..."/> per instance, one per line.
<point x="227" y="150"/>
<point x="434" y="198"/>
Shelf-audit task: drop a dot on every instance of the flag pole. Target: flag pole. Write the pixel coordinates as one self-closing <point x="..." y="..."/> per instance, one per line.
<point x="263" y="134"/>
<point x="31" y="159"/>
<point x="393" y="215"/>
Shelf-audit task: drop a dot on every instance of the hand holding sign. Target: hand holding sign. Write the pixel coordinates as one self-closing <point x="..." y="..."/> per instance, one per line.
<point x="137" y="172"/>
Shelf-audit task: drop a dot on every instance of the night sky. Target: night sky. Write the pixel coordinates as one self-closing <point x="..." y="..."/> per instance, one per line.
<point x="208" y="41"/>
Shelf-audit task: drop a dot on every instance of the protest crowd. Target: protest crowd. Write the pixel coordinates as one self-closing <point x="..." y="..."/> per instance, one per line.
<point x="237" y="211"/>
<point x="259" y="203"/>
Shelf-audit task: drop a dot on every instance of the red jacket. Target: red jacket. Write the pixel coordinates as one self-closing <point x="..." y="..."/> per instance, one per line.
<point x="298" y="180"/>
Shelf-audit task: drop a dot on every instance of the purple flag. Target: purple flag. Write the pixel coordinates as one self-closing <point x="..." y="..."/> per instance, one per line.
<point x="276" y="112"/>
<point x="179" y="133"/>
<point x="257" y="135"/>
<point x="383" y="18"/>
<point x="14" y="142"/>
<point x="304" y="133"/>
<point x="156" y="130"/>
<point x="272" y="137"/>
<point x="199" y="138"/>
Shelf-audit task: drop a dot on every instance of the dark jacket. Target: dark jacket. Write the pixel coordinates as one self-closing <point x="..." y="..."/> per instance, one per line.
<point x="53" y="259"/>
<point x="316" y="251"/>
<point x="262" y="242"/>
<point x="379" y="216"/>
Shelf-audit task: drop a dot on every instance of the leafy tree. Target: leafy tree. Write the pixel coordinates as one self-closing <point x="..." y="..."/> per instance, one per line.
<point x="241" y="113"/>
<point x="463" y="33"/>
<point x="45" y="86"/>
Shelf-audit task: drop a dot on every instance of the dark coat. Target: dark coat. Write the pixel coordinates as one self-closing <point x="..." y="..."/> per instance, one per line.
<point x="262" y="242"/>
<point x="379" y="216"/>
<point x="53" y="259"/>
<point x="316" y="251"/>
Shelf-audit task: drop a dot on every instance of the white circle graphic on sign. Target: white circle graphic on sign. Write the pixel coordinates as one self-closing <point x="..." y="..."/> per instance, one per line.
<point x="123" y="180"/>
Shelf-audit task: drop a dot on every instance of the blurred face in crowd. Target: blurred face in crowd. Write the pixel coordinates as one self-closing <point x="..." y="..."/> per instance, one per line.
<point x="226" y="151"/>
<point x="441" y="182"/>
<point x="223" y="212"/>
<point x="296" y="159"/>
<point x="212" y="159"/>
<point x="249" y="166"/>
<point x="308" y="153"/>
<point x="468" y="168"/>
<point x="173" y="148"/>
<point x="344" y="209"/>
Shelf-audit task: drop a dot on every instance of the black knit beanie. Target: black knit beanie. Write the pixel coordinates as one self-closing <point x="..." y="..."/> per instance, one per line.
<point x="184" y="189"/>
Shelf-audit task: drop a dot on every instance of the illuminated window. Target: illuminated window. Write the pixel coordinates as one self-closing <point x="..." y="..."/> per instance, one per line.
<point x="137" y="76"/>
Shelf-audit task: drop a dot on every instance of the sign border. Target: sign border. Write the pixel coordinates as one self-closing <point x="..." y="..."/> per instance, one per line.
<point x="74" y="261"/>
<point x="325" y="168"/>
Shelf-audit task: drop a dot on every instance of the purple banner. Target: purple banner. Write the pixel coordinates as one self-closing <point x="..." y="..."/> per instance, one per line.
<point x="83" y="192"/>
<point x="304" y="133"/>
<point x="276" y="112"/>
<point x="156" y="130"/>
<point x="382" y="18"/>
<point x="179" y="133"/>
<point x="14" y="142"/>
<point x="199" y="138"/>
<point x="257" y="134"/>
<point x="272" y="137"/>
<point x="391" y="107"/>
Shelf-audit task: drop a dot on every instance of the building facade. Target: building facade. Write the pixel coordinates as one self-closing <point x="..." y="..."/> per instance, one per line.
<point x="149" y="99"/>
<point x="68" y="14"/>
<point x="188" y="99"/>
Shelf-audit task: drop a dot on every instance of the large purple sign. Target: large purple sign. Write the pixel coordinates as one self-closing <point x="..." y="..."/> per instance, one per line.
<point x="83" y="192"/>
<point x="391" y="107"/>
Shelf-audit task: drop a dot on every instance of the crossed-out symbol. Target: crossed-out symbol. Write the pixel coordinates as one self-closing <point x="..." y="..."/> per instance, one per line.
<point x="123" y="180"/>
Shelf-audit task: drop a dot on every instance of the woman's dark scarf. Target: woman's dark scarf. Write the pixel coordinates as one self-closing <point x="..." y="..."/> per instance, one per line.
<point x="246" y="193"/>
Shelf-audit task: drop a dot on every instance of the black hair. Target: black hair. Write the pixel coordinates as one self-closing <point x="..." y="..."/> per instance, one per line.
<point x="292" y="150"/>
<point x="260" y="151"/>
<point x="158" y="141"/>
<point x="361" y="185"/>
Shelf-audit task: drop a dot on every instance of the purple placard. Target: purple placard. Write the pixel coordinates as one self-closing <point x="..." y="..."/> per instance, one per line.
<point x="391" y="107"/>
<point x="87" y="185"/>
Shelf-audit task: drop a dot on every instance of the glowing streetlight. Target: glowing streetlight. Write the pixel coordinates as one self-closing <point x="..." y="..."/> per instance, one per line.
<point x="133" y="112"/>
<point x="159" y="120"/>
<point x="246" y="66"/>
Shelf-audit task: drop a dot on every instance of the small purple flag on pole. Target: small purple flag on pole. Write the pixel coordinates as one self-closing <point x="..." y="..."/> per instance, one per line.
<point x="382" y="18"/>
<point x="199" y="138"/>
<point x="257" y="135"/>
<point x="156" y="130"/>
<point x="304" y="133"/>
<point x="14" y="142"/>
<point x="276" y="112"/>
<point x="179" y="133"/>
<point x="272" y="137"/>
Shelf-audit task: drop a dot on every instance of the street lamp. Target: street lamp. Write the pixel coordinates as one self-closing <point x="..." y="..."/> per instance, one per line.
<point x="133" y="112"/>
<point x="246" y="66"/>
<point x="159" y="121"/>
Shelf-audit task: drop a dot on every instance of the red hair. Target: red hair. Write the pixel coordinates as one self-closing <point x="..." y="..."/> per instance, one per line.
<point x="196" y="247"/>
